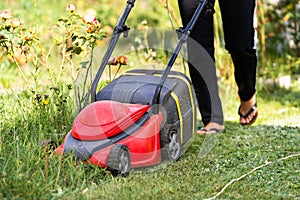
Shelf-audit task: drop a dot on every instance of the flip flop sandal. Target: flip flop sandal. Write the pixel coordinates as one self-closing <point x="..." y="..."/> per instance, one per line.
<point x="253" y="109"/>
<point x="209" y="131"/>
<point x="202" y="131"/>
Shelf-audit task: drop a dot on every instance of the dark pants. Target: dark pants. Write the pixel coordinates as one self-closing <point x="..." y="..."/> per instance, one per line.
<point x="237" y="17"/>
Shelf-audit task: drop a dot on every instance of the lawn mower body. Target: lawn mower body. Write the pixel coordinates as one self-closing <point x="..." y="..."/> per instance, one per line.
<point x="123" y="115"/>
<point x="139" y="119"/>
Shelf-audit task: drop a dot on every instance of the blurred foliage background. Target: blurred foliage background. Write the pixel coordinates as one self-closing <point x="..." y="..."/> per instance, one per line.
<point x="277" y="25"/>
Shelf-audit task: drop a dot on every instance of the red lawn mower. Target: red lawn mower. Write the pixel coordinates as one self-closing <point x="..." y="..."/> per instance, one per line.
<point x="125" y="127"/>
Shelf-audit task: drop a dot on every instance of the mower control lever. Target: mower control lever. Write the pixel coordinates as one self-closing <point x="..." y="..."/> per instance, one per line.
<point x="180" y="32"/>
<point x="122" y="29"/>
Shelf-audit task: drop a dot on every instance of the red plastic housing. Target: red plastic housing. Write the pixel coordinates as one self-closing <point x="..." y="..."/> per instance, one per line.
<point x="144" y="146"/>
<point x="103" y="119"/>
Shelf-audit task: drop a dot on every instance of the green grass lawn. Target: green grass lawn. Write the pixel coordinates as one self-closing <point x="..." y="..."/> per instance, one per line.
<point x="207" y="166"/>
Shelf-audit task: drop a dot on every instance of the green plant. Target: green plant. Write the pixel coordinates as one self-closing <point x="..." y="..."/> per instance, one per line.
<point x="76" y="37"/>
<point x="80" y="35"/>
<point x="17" y="43"/>
<point x="280" y="22"/>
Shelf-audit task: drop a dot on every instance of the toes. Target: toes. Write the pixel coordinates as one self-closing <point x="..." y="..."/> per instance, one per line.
<point x="249" y="119"/>
<point x="202" y="131"/>
<point x="243" y="120"/>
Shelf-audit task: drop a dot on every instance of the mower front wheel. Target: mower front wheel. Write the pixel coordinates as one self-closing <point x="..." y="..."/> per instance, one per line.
<point x="174" y="147"/>
<point x="170" y="144"/>
<point x="118" y="161"/>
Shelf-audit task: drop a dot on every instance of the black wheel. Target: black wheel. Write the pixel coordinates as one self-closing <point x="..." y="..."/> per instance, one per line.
<point x="174" y="146"/>
<point x="118" y="161"/>
<point x="170" y="144"/>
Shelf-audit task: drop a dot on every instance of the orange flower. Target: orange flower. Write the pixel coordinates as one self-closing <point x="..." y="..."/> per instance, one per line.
<point x="6" y="14"/>
<point x="71" y="8"/>
<point x="89" y="28"/>
<point x="112" y="61"/>
<point x="123" y="60"/>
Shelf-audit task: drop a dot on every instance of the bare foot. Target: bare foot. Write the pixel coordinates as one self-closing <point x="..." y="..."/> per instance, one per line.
<point x="210" y="128"/>
<point x="248" y="111"/>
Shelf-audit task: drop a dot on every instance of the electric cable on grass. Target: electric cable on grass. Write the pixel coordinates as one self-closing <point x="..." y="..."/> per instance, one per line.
<point x="244" y="175"/>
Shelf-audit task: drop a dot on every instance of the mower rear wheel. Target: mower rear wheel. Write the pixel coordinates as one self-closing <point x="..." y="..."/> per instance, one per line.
<point x="118" y="161"/>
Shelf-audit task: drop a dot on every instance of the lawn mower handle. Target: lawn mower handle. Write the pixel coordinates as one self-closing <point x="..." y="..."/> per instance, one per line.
<point x="119" y="28"/>
<point x="183" y="33"/>
<point x="122" y="28"/>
